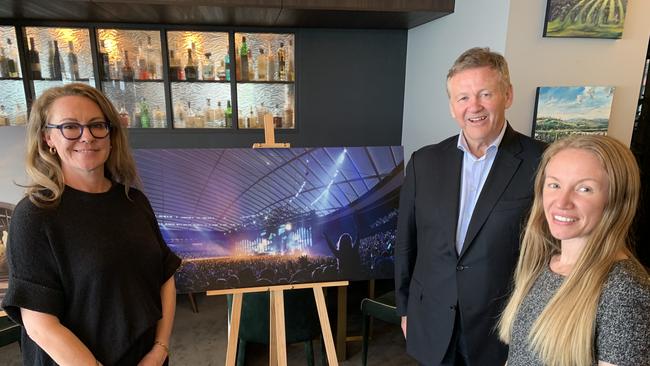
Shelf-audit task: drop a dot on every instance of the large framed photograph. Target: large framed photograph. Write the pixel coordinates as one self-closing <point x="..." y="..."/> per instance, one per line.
<point x="260" y="217"/>
<point x="585" y="19"/>
<point x="567" y="110"/>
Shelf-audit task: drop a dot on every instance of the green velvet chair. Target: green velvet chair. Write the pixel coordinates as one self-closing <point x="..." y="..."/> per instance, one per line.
<point x="382" y="307"/>
<point x="9" y="331"/>
<point x="300" y="317"/>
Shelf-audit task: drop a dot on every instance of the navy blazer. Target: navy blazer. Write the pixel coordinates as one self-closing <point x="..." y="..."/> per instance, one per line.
<point x="432" y="281"/>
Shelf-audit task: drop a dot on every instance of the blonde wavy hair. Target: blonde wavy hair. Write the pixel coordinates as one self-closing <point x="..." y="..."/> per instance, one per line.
<point x="44" y="169"/>
<point x="563" y="334"/>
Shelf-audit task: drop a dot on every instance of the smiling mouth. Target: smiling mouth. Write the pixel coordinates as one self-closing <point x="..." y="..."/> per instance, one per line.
<point x="564" y="218"/>
<point x="477" y="119"/>
<point x="86" y="150"/>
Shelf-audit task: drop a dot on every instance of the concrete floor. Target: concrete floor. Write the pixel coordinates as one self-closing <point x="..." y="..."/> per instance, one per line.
<point x="201" y="339"/>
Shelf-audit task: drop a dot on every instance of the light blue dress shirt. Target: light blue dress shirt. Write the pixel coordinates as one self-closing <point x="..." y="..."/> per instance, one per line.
<point x="474" y="173"/>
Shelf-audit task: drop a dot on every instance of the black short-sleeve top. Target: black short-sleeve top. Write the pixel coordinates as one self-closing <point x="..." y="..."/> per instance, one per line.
<point x="97" y="261"/>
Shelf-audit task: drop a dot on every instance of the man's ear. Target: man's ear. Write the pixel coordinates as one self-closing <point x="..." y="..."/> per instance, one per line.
<point x="451" y="110"/>
<point x="509" y="96"/>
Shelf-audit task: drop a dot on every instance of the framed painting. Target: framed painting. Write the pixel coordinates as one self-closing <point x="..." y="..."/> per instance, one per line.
<point x="585" y="18"/>
<point x="567" y="110"/>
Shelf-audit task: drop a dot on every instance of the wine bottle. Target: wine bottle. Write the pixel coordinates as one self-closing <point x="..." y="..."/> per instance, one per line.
<point x="4" y="64"/>
<point x="191" y="72"/>
<point x="34" y="61"/>
<point x="174" y="67"/>
<point x="243" y="54"/>
<point x="282" y="65"/>
<point x="262" y="66"/>
<point x="228" y="115"/>
<point x="219" y="116"/>
<point x="55" y="62"/>
<point x="208" y="67"/>
<point x="152" y="69"/>
<point x="208" y="112"/>
<point x="221" y="71"/>
<point x="105" y="60"/>
<point x="12" y="59"/>
<point x="143" y="70"/>
<point x="4" y="116"/>
<point x="287" y="121"/>
<point x="73" y="64"/>
<point x="127" y="71"/>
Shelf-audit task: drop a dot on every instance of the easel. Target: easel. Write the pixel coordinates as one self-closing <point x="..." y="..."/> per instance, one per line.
<point x="277" y="336"/>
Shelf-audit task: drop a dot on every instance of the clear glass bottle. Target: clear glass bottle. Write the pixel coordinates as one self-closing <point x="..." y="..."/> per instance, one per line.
<point x="277" y="117"/>
<point x="262" y="66"/>
<point x="73" y="63"/>
<point x="287" y="120"/>
<point x="125" y="119"/>
<point x="282" y="63"/>
<point x="12" y="59"/>
<point x="208" y="67"/>
<point x="4" y="116"/>
<point x="228" y="115"/>
<point x="143" y="69"/>
<point x="251" y="121"/>
<point x="208" y="113"/>
<point x="152" y="68"/>
<point x="158" y="117"/>
<point x="4" y="63"/>
<point x="127" y="71"/>
<point x="191" y="71"/>
<point x="221" y="71"/>
<point x="219" y="116"/>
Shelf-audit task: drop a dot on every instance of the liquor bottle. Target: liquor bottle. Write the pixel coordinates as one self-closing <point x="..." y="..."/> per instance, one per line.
<point x="228" y="115"/>
<point x="221" y="71"/>
<point x="137" y="116"/>
<point x="34" y="61"/>
<point x="143" y="70"/>
<point x="158" y="117"/>
<point x="191" y="72"/>
<point x="251" y="69"/>
<point x="290" y="59"/>
<point x="208" y="67"/>
<point x="243" y="55"/>
<point x="4" y="64"/>
<point x="174" y="67"/>
<point x="237" y="64"/>
<point x="21" y="117"/>
<point x="190" y="119"/>
<point x="73" y="64"/>
<point x="145" y="115"/>
<point x="219" y="116"/>
<point x="227" y="60"/>
<point x="4" y="116"/>
<point x="105" y="60"/>
<point x="127" y="71"/>
<point x="152" y="69"/>
<point x="277" y="117"/>
<point x="55" y="62"/>
<point x="262" y="66"/>
<point x="261" y="113"/>
<point x="12" y="59"/>
<point x="125" y="119"/>
<point x="251" y="121"/>
<point x="208" y="113"/>
<point x="272" y="67"/>
<point x="282" y="63"/>
<point x="287" y="121"/>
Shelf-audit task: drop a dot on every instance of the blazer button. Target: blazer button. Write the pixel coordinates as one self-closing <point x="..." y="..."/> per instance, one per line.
<point x="460" y="268"/>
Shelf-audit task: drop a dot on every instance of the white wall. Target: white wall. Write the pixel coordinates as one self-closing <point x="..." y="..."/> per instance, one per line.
<point x="432" y="49"/>
<point x="537" y="61"/>
<point x="515" y="28"/>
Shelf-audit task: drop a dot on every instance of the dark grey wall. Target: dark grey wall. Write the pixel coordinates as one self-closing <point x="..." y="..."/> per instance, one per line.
<point x="349" y="92"/>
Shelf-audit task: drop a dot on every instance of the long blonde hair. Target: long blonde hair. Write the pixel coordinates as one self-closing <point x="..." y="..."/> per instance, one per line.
<point x="44" y="169"/>
<point x="563" y="334"/>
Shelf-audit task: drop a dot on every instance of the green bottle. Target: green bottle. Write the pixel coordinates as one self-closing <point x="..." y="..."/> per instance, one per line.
<point x="145" y="114"/>
<point x="228" y="115"/>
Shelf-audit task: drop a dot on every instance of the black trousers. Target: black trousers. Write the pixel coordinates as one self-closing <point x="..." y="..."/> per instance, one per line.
<point x="457" y="352"/>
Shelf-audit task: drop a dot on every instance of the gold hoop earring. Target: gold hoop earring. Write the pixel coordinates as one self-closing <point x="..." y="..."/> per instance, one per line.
<point x="52" y="150"/>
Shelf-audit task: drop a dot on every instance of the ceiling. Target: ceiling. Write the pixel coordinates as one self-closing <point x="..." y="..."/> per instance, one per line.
<point x="390" y="14"/>
<point x="233" y="189"/>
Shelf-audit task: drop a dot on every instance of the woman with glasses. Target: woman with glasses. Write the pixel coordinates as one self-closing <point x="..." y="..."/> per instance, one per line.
<point x="580" y="296"/>
<point x="91" y="279"/>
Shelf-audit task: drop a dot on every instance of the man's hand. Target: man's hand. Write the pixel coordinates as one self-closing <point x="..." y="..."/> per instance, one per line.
<point x="404" y="326"/>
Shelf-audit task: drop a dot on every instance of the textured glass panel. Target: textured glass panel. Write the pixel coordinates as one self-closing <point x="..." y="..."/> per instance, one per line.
<point x="270" y="57"/>
<point x="74" y="60"/>
<point x="197" y="114"/>
<point x="42" y="85"/>
<point x="9" y="53"/>
<point x="208" y="49"/>
<point x="12" y="103"/>
<point x="130" y="54"/>
<point x="261" y="99"/>
<point x="143" y="103"/>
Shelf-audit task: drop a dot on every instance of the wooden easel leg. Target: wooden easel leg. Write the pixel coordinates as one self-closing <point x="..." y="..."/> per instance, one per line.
<point x="341" y="322"/>
<point x="277" y="296"/>
<point x="233" y="336"/>
<point x="325" y="326"/>
<point x="273" y="334"/>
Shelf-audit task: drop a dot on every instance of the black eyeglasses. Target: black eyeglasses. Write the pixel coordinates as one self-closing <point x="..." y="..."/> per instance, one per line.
<point x="74" y="130"/>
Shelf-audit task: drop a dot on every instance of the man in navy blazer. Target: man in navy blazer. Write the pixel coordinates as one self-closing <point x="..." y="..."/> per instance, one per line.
<point x="462" y="207"/>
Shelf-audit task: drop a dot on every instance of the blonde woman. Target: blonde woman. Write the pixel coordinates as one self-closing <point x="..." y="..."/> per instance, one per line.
<point x="90" y="277"/>
<point x="580" y="296"/>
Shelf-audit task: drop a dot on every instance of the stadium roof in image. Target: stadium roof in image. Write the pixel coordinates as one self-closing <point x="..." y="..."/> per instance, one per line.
<point x="231" y="189"/>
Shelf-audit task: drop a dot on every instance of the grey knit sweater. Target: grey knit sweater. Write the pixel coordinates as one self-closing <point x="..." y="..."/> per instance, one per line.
<point x="622" y="322"/>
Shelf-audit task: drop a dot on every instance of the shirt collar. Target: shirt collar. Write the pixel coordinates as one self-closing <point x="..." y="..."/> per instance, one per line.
<point x="464" y="147"/>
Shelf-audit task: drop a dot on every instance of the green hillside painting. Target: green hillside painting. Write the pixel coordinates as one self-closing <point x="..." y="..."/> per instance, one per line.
<point x="567" y="110"/>
<point x="585" y="18"/>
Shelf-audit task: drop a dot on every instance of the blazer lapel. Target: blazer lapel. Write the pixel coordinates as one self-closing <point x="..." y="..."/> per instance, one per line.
<point x="504" y="167"/>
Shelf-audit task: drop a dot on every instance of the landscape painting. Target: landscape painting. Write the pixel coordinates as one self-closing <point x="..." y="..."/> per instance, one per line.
<point x="569" y="110"/>
<point x="585" y="18"/>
